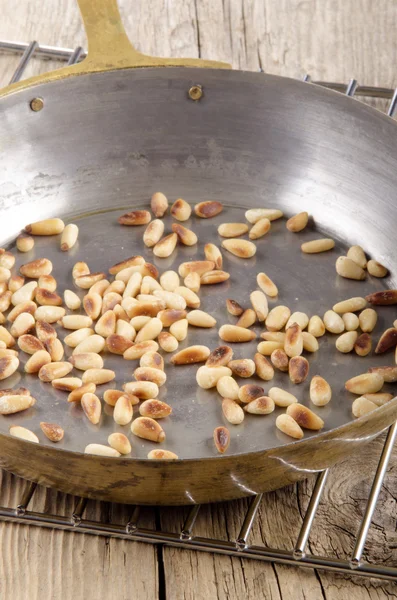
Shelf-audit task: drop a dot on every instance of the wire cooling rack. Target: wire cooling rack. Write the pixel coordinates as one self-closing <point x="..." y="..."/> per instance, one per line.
<point x="240" y="547"/>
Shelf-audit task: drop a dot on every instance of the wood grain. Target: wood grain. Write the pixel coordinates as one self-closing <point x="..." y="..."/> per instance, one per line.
<point x="331" y="40"/>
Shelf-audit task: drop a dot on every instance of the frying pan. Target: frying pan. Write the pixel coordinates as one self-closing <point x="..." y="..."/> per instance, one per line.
<point x="91" y="140"/>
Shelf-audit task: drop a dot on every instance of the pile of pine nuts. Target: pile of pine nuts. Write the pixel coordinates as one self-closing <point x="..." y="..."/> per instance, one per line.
<point x="129" y="317"/>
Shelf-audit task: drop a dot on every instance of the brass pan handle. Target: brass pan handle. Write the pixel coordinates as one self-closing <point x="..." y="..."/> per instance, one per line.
<point x="108" y="49"/>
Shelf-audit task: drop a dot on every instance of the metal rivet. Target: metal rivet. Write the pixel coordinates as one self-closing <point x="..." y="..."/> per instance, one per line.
<point x="195" y="92"/>
<point x="37" y="104"/>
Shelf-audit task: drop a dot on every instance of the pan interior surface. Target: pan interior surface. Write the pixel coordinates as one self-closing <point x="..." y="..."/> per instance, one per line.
<point x="112" y="139"/>
<point x="306" y="283"/>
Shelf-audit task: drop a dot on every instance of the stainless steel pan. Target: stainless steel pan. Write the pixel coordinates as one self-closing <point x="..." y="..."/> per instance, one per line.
<point x="89" y="141"/>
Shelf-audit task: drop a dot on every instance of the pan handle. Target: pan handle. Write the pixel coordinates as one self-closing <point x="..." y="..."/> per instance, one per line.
<point x="108" y="49"/>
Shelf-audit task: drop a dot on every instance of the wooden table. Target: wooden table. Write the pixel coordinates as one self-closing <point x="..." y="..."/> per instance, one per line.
<point x="332" y="40"/>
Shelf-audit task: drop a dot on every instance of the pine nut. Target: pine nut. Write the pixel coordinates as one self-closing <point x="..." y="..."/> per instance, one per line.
<point x="190" y="355"/>
<point x="23" y="434"/>
<point x="148" y="429"/>
<point x="149" y="374"/>
<point x="298" y="369"/>
<point x="74" y="339"/>
<point x="363" y="345"/>
<point x="69" y="237"/>
<point x="289" y="426"/>
<point x="5" y="274"/>
<point x="149" y="285"/>
<point x="54" y="370"/>
<point x="383" y="298"/>
<point x="228" y="387"/>
<point x="169" y="281"/>
<point x="297" y="222"/>
<point x="146" y="309"/>
<point x="146" y="270"/>
<point x="305" y="417"/>
<point x="133" y="286"/>
<point x="179" y="329"/>
<point x="76" y="322"/>
<point x="92" y="304"/>
<point x="389" y="374"/>
<point x="6" y="298"/>
<point x="72" y="300"/>
<point x="170" y="315"/>
<point x="116" y="287"/>
<point x="137" y="350"/>
<point x="111" y="397"/>
<point x="46" y="227"/>
<point x="11" y="404"/>
<point x="49" y="314"/>
<point x="379" y="399"/>
<point x="300" y="318"/>
<point x="277" y="318"/>
<point x="86" y="281"/>
<point x="45" y="331"/>
<point x="16" y="282"/>
<point x="135" y="217"/>
<point x="4" y="352"/>
<point x="22" y="324"/>
<point x="320" y="391"/>
<point x="132" y="261"/>
<point x="260" y="305"/>
<point x="66" y="384"/>
<point x="267" y="348"/>
<point x="120" y="443"/>
<point x="243" y="367"/>
<point x="231" y="230"/>
<point x="220" y="357"/>
<point x="376" y="269"/>
<point x="310" y="343"/>
<point x="86" y="360"/>
<point x="92" y="408"/>
<point x="6" y="337"/>
<point x="191" y="299"/>
<point x="249" y="392"/>
<point x="162" y="455"/>
<point x="14" y="392"/>
<point x="347" y="268"/>
<point x="221" y="439"/>
<point x="267" y="285"/>
<point x="186" y="236"/>
<point x="293" y="344"/>
<point x="350" y="306"/>
<point x="167" y="342"/>
<point x="333" y="322"/>
<point x="260" y="229"/>
<point x="362" y="406"/>
<point x="367" y="383"/>
<point x="120" y="313"/>
<point x="7" y="259"/>
<point x="55" y="349"/>
<point x="351" y="321"/>
<point x="36" y="268"/>
<point x="101" y="450"/>
<point x="156" y="409"/>
<point x="181" y="210"/>
<point x="234" y="307"/>
<point x="153" y="360"/>
<point x="213" y="277"/>
<point x="316" y="326"/>
<point x="317" y="246"/>
<point x="52" y="431"/>
<point x="260" y="406"/>
<point x="106" y="324"/>
<point x="208" y="377"/>
<point x="281" y="398"/>
<point x="345" y="343"/>
<point x="100" y="287"/>
<point x="165" y="246"/>
<point x="24" y="294"/>
<point x="208" y="209"/>
<point x="25" y="243"/>
<point x="98" y="376"/>
<point x="255" y="214"/>
<point x="93" y="343"/>
<point x="240" y="248"/>
<point x="357" y="254"/>
<point x="123" y="410"/>
<point x="232" y="411"/>
<point x="196" y="266"/>
<point x="30" y="344"/>
<point x="387" y="341"/>
<point x="77" y="394"/>
<point x="264" y="369"/>
<point x="36" y="361"/>
<point x="192" y="282"/>
<point x="144" y="390"/>
<point x="125" y="329"/>
<point x="149" y="331"/>
<point x="233" y="333"/>
<point x="138" y="322"/>
<point x="159" y="204"/>
<point x="25" y="307"/>
<point x="171" y="299"/>
<point x="199" y="318"/>
<point x="80" y="269"/>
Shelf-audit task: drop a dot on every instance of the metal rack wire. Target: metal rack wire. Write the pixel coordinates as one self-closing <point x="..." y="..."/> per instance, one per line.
<point x="240" y="547"/>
